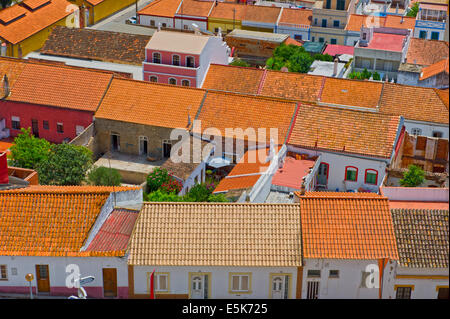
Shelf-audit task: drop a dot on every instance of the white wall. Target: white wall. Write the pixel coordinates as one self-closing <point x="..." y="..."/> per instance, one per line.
<point x="216" y="51"/>
<point x="293" y="32"/>
<point x="427" y="128"/>
<point x="145" y="20"/>
<point x="180" y="23"/>
<point x="179" y="280"/>
<point x="337" y="163"/>
<point x="423" y="288"/>
<point x="426" y="194"/>
<point x="348" y="285"/>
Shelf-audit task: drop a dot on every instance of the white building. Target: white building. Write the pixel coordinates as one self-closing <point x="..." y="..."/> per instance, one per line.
<point x="216" y="250"/>
<point x="431" y="21"/>
<point x="55" y="233"/>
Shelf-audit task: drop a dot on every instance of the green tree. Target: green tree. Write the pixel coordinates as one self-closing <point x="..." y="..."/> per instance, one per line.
<point x="365" y="74"/>
<point x="295" y="58"/>
<point x="66" y="164"/>
<point x="198" y="193"/>
<point x="376" y="76"/>
<point x="219" y="198"/>
<point x="412" y="12"/>
<point x="323" y="57"/>
<point x="156" y="178"/>
<point x="28" y="151"/>
<point x="104" y="176"/>
<point x="160" y="196"/>
<point x="239" y="62"/>
<point x="413" y="177"/>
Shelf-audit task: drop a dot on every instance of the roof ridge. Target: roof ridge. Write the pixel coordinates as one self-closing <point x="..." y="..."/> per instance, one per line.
<point x="220" y="204"/>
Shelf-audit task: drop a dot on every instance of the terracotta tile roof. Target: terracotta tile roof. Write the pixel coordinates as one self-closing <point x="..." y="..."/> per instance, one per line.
<point x="115" y="231"/>
<point x="444" y="96"/>
<point x="217" y="234"/>
<point x="347" y="227"/>
<point x="195" y="8"/>
<point x="60" y="86"/>
<point x="150" y="104"/>
<point x="434" y="69"/>
<point x="352" y="93"/>
<point x="295" y="16"/>
<point x="253" y="162"/>
<point x="93" y="44"/>
<point x="47" y="189"/>
<point x="295" y="86"/>
<point x="48" y="224"/>
<point x="95" y="2"/>
<point x="12" y="68"/>
<point x="356" y="21"/>
<point x="398" y="22"/>
<point x="225" y="11"/>
<point x="422" y="237"/>
<point x="227" y="110"/>
<point x="29" y="22"/>
<point x="345" y="131"/>
<point x="33" y="4"/>
<point x="293" y="42"/>
<point x="263" y="14"/>
<point x="233" y="79"/>
<point x="237" y="182"/>
<point x="161" y="8"/>
<point x="411" y="101"/>
<point x="426" y="52"/>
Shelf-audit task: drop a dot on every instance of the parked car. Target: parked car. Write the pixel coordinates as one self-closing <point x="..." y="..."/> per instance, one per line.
<point x="132" y="20"/>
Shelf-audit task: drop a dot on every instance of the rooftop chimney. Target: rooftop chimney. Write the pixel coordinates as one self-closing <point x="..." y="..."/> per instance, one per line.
<point x="4" y="178"/>
<point x="5" y="85"/>
<point x="335" y="67"/>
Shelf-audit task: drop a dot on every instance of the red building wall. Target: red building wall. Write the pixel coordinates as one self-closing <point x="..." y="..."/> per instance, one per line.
<point x="26" y="112"/>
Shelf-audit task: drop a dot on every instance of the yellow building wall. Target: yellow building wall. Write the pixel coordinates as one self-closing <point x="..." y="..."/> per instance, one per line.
<point x="107" y="8"/>
<point x="270" y="30"/>
<point x="37" y="40"/>
<point x="224" y="24"/>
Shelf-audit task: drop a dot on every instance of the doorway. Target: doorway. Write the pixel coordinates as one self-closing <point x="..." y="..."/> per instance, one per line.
<point x="199" y="286"/>
<point x="35" y="127"/>
<point x="443" y="293"/>
<point x="167" y="147"/>
<point x="322" y="174"/>
<point x="280" y="287"/>
<point x="109" y="282"/>
<point x="115" y="142"/>
<point x="312" y="290"/>
<point x="143" y="145"/>
<point x="42" y="278"/>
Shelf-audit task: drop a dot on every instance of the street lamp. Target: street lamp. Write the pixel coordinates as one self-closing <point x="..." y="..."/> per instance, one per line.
<point x="29" y="278"/>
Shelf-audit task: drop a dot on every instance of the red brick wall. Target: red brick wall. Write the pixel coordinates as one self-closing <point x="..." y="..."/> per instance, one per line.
<point x="26" y="112"/>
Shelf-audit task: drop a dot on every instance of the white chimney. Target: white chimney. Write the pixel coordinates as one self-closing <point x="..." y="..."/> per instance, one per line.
<point x="6" y="85"/>
<point x="335" y="67"/>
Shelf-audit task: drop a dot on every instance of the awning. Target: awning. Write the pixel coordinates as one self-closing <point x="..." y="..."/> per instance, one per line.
<point x="218" y="162"/>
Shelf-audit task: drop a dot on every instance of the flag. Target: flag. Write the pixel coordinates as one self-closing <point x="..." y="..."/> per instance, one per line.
<point x="152" y="285"/>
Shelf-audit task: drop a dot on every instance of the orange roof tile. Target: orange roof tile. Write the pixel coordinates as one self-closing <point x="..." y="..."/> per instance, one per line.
<point x="293" y="42"/>
<point x="60" y="86"/>
<point x="161" y="8"/>
<point x="413" y="103"/>
<point x="352" y="93"/>
<point x="347" y="227"/>
<point x="48" y="224"/>
<point x="399" y="22"/>
<point x="443" y="94"/>
<point x="233" y="79"/>
<point x="95" y="2"/>
<point x="253" y="162"/>
<point x="344" y="130"/>
<point x="33" y="4"/>
<point x="225" y="11"/>
<point x="195" y="8"/>
<point x="50" y="189"/>
<point x="232" y="111"/>
<point x="426" y="52"/>
<point x="295" y="16"/>
<point x="356" y="21"/>
<point x="149" y="103"/>
<point x="262" y="14"/>
<point x="31" y="22"/>
<point x="217" y="234"/>
<point x="12" y="68"/>
<point x="434" y="69"/>
<point x="239" y="182"/>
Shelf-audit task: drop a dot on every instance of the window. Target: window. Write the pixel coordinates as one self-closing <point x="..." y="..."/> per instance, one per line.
<point x="185" y="83"/>
<point x="313" y="39"/>
<point x="334" y="274"/>
<point x="167" y="147"/>
<point x="45" y="125"/>
<point x="185" y="27"/>
<point x="152" y="23"/>
<point x="173" y="81"/>
<point x="351" y="174"/>
<point x="336" y="23"/>
<point x="423" y="34"/>
<point x="434" y="35"/>
<point x="354" y="43"/>
<point x="153" y="78"/>
<point x="164" y="25"/>
<point x="328" y="4"/>
<point x="14" y="271"/>
<point x="333" y="41"/>
<point x="403" y="293"/>
<point x="314" y="273"/>
<point x="79" y="129"/>
<point x="315" y="21"/>
<point x="340" y="5"/>
<point x="324" y="23"/>
<point x="240" y="282"/>
<point x="364" y="36"/>
<point x="416" y="131"/>
<point x="437" y="134"/>
<point x="3" y="272"/>
<point x="59" y="128"/>
<point x="388" y="66"/>
<point x="321" y="40"/>
<point x="297" y="36"/>
<point x="156" y="57"/>
<point x="216" y="30"/>
<point x="161" y="282"/>
<point x="371" y="177"/>
<point x="190" y="62"/>
<point x="176" y="59"/>
<point x="15" y="123"/>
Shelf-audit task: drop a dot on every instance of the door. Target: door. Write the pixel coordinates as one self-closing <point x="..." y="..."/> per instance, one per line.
<point x="443" y="293"/>
<point x="143" y="145"/>
<point x="280" y="287"/>
<point x="35" y="127"/>
<point x="42" y="278"/>
<point x="198" y="287"/>
<point x="115" y="142"/>
<point x="109" y="282"/>
<point x="322" y="174"/>
<point x="312" y="290"/>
